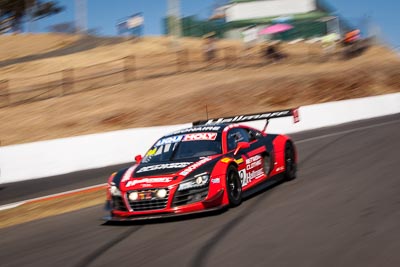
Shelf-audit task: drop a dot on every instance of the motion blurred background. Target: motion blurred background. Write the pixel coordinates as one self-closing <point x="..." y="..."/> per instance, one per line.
<point x="77" y="67"/>
<point x="101" y="16"/>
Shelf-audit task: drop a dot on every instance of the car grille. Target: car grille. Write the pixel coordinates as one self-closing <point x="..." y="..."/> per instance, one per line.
<point x="189" y="196"/>
<point x="118" y="203"/>
<point x="149" y="204"/>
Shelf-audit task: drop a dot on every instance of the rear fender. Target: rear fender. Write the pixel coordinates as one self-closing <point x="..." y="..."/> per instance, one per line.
<point x="279" y="151"/>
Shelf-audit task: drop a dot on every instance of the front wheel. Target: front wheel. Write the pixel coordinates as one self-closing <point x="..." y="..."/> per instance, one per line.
<point x="290" y="162"/>
<point x="233" y="186"/>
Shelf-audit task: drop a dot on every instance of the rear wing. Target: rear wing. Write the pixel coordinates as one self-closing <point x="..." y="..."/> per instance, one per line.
<point x="253" y="117"/>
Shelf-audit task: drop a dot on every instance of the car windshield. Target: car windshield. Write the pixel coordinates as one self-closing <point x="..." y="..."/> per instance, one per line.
<point x="179" y="147"/>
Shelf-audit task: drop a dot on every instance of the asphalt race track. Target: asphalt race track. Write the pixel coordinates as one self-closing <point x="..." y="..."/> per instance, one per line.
<point x="342" y="210"/>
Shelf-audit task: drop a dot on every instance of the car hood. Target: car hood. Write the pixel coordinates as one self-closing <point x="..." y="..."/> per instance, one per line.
<point x="164" y="174"/>
<point x="165" y="168"/>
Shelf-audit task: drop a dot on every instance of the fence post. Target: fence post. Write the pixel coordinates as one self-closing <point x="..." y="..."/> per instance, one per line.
<point x="67" y="81"/>
<point x="228" y="56"/>
<point x="4" y="91"/>
<point x="233" y="55"/>
<point x="129" y="68"/>
<point x="182" y="60"/>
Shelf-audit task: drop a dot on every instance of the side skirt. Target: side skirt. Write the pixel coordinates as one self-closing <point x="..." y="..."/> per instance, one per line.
<point x="267" y="184"/>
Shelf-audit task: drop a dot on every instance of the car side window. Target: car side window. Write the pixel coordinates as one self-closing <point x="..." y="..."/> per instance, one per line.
<point x="235" y="136"/>
<point x="254" y="135"/>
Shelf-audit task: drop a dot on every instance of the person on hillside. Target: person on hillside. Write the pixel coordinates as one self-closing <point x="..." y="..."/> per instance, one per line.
<point x="272" y="51"/>
<point x="209" y="48"/>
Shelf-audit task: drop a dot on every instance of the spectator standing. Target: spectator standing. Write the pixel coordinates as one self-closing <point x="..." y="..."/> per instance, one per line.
<point x="209" y="48"/>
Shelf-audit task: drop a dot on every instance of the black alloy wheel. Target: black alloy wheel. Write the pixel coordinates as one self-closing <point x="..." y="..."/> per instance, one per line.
<point x="290" y="162"/>
<point x="233" y="186"/>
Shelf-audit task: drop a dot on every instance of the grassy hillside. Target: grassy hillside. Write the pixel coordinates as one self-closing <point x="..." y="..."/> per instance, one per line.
<point x="179" y="98"/>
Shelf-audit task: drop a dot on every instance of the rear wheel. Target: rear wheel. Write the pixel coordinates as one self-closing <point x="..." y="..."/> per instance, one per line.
<point x="233" y="186"/>
<point x="290" y="162"/>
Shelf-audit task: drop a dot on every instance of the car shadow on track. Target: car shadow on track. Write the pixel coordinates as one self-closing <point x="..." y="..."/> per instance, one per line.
<point x="167" y="220"/>
<point x="90" y="258"/>
<point x="201" y="256"/>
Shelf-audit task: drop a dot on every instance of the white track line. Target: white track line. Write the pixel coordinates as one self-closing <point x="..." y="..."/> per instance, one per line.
<point x="347" y="131"/>
<point x="11" y="206"/>
<point x="16" y="204"/>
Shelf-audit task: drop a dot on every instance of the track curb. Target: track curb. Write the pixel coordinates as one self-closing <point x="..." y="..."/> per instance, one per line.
<point x="54" y="196"/>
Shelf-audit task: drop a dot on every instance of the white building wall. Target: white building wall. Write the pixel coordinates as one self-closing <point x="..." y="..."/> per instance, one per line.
<point x="268" y="8"/>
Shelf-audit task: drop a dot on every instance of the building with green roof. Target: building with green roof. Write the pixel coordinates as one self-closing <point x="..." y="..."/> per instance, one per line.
<point x="309" y="18"/>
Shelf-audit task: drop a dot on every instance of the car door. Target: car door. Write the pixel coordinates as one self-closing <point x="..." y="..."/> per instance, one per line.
<point x="249" y="160"/>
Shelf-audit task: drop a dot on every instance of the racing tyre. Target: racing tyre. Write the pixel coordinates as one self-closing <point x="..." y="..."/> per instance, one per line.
<point x="290" y="162"/>
<point x="233" y="186"/>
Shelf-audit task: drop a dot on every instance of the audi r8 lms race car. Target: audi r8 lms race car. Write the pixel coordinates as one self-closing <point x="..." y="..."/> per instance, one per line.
<point x="209" y="166"/>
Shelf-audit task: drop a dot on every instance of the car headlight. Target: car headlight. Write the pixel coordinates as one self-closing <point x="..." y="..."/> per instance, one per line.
<point x="197" y="181"/>
<point x="161" y="193"/>
<point x="134" y="196"/>
<point x="114" y="191"/>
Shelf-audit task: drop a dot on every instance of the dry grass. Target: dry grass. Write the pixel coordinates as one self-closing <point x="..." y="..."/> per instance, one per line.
<point x="22" y="45"/>
<point x="37" y="210"/>
<point x="182" y="98"/>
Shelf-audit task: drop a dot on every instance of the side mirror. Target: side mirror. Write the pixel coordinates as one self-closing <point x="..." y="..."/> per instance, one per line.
<point x="138" y="159"/>
<point x="240" y="146"/>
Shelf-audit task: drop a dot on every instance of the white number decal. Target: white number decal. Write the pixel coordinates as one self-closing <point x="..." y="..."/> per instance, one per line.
<point x="243" y="177"/>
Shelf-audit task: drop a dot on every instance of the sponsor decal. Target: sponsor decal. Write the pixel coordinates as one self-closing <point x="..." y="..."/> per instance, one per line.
<point x="248" y="177"/>
<point x="225" y="160"/>
<point x="199" y="129"/>
<point x="175" y="165"/>
<point x="216" y="180"/>
<point x="128" y="174"/>
<point x="254" y="175"/>
<point x="149" y="181"/>
<point x="200" y="136"/>
<point x="194" y="166"/>
<point x="145" y="195"/>
<point x="242" y="118"/>
<point x="151" y="152"/>
<point x="296" y="117"/>
<point x="253" y="162"/>
<point x="248" y="174"/>
<point x="239" y="161"/>
<point x="169" y="140"/>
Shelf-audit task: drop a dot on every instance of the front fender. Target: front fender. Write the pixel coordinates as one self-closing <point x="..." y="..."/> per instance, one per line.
<point x="219" y="172"/>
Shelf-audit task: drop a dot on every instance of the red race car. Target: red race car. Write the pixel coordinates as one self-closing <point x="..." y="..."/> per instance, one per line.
<point x="212" y="165"/>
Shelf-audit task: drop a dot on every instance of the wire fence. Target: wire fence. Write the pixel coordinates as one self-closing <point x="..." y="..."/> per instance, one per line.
<point x="75" y="80"/>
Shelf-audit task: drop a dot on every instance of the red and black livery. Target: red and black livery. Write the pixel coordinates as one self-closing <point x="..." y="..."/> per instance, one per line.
<point x="209" y="166"/>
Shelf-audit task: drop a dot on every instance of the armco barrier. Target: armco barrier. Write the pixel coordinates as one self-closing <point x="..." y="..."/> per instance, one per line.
<point x="47" y="158"/>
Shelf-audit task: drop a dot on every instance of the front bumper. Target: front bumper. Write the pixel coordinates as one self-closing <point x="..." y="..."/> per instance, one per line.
<point x="115" y="218"/>
<point x="207" y="205"/>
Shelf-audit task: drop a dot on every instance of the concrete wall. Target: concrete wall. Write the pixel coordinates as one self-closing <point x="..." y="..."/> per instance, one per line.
<point x="53" y="157"/>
